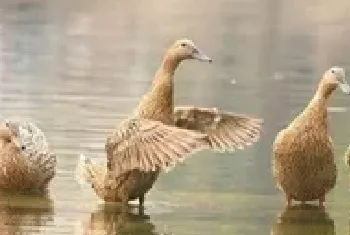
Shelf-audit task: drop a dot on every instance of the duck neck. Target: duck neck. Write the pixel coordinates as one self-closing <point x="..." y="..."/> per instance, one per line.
<point x="169" y="64"/>
<point x="325" y="90"/>
<point x="317" y="108"/>
<point x="157" y="104"/>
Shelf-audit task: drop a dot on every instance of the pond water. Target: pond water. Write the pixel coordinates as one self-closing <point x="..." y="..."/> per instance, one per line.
<point x="78" y="67"/>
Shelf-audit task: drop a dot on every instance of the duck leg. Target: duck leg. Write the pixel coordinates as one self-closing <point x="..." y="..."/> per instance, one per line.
<point x="142" y="200"/>
<point x="141" y="203"/>
<point x="321" y="201"/>
<point x="288" y="201"/>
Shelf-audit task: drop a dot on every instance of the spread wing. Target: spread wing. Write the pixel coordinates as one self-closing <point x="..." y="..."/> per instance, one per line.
<point x="148" y="145"/>
<point x="226" y="131"/>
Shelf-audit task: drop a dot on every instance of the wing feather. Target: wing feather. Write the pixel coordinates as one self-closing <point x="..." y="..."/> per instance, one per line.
<point x="149" y="145"/>
<point x="226" y="131"/>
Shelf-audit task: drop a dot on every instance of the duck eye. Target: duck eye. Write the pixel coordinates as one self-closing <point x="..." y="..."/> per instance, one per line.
<point x="332" y="71"/>
<point x="183" y="44"/>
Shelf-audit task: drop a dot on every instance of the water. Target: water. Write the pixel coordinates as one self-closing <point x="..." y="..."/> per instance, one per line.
<point x="79" y="67"/>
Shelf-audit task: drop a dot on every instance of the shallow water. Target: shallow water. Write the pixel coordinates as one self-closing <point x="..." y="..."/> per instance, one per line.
<point x="78" y="67"/>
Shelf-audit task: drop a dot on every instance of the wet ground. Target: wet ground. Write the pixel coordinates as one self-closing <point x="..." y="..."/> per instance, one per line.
<point x="78" y="67"/>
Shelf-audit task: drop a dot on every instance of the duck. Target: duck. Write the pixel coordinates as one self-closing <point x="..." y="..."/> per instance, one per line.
<point x="158" y="135"/>
<point x="303" y="163"/>
<point x="26" y="163"/>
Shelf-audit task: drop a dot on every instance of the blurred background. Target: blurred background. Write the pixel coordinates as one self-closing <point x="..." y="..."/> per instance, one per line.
<point x="78" y="67"/>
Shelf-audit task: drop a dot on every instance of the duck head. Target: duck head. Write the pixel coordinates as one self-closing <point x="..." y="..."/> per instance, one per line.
<point x="184" y="49"/>
<point x="332" y="79"/>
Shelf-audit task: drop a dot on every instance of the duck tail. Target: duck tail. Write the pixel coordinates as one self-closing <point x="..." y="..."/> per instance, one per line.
<point x="85" y="171"/>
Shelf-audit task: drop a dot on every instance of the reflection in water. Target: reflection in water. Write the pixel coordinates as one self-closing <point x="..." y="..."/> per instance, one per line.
<point x="78" y="67"/>
<point x="24" y="214"/>
<point x="110" y="220"/>
<point x="303" y="219"/>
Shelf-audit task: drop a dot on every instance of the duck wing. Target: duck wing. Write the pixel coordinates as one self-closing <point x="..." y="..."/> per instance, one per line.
<point x="226" y="131"/>
<point x="32" y="143"/>
<point x="148" y="145"/>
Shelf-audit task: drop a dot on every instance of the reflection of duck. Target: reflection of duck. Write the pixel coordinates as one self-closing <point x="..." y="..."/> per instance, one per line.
<point x="24" y="214"/>
<point x="157" y="136"/>
<point x="108" y="220"/>
<point x="303" y="155"/>
<point x="303" y="219"/>
<point x="26" y="162"/>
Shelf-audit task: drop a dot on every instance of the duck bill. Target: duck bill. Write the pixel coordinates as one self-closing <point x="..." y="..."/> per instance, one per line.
<point x="198" y="55"/>
<point x="345" y="87"/>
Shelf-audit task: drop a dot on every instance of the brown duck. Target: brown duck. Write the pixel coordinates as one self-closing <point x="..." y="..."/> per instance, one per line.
<point x="26" y="164"/>
<point x="303" y="157"/>
<point x="156" y="137"/>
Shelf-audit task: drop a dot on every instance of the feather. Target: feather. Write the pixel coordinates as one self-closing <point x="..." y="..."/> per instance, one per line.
<point x="226" y="131"/>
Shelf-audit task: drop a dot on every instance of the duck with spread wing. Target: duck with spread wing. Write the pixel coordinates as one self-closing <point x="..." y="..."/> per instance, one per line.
<point x="157" y="135"/>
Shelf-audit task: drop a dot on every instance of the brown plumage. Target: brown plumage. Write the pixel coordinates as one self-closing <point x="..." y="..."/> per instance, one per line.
<point x="303" y="157"/>
<point x="226" y="131"/>
<point x="25" y="163"/>
<point x="149" y="141"/>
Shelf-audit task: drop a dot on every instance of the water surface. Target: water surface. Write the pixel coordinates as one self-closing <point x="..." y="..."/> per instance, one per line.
<point x="78" y="67"/>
